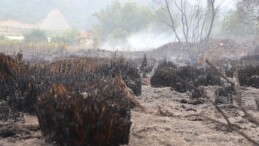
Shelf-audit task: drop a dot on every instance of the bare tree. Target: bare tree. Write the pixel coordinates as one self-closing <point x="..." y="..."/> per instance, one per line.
<point x="192" y="21"/>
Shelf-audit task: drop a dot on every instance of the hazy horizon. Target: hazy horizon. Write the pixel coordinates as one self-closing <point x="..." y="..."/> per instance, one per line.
<point x="112" y="26"/>
<point x="21" y="10"/>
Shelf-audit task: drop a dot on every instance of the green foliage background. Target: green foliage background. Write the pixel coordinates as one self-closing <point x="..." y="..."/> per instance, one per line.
<point x="36" y="36"/>
<point x="119" y="20"/>
<point x="244" y="20"/>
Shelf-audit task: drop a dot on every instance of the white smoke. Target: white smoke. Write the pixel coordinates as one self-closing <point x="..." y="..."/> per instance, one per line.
<point x="140" y="41"/>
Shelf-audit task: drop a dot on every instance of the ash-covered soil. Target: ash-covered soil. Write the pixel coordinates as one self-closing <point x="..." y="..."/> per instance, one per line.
<point x="167" y="121"/>
<point x="176" y="124"/>
<point x="23" y="133"/>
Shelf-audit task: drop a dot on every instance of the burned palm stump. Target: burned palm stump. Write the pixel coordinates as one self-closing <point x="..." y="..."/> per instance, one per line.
<point x="161" y="78"/>
<point x="15" y="87"/>
<point x="210" y="77"/>
<point x="74" y="72"/>
<point x="127" y="72"/>
<point x="6" y="112"/>
<point x="99" y="116"/>
<point x="167" y="75"/>
<point x="224" y="95"/>
<point x="25" y="98"/>
<point x="229" y="72"/>
<point x="9" y="67"/>
<point x="146" y="67"/>
<point x="249" y="76"/>
<point x="197" y="96"/>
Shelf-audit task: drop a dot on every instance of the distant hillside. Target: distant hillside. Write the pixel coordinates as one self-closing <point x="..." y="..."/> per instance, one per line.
<point x="77" y="12"/>
<point x="54" y="21"/>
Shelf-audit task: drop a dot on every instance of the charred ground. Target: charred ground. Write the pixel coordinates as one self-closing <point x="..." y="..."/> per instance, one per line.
<point x="101" y="101"/>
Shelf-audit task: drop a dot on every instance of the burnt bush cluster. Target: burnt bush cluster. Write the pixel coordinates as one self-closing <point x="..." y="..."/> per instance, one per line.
<point x="146" y="65"/>
<point x="15" y="86"/>
<point x="245" y="62"/>
<point x="76" y="72"/>
<point x="161" y="78"/>
<point x="198" y="94"/>
<point x="224" y="95"/>
<point x="81" y="101"/>
<point x="250" y="60"/>
<point x="9" y="70"/>
<point x="128" y="73"/>
<point x="249" y="76"/>
<point x="98" y="116"/>
<point x="229" y="72"/>
<point x="166" y="74"/>
<point x="6" y="113"/>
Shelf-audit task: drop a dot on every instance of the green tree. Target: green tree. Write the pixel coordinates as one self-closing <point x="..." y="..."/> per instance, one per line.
<point x="118" y="36"/>
<point x="124" y="18"/>
<point x="36" y="36"/>
<point x="244" y="20"/>
<point x="68" y="37"/>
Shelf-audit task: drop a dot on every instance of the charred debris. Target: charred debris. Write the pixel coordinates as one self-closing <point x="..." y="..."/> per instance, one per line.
<point x="89" y="98"/>
<point x="87" y="101"/>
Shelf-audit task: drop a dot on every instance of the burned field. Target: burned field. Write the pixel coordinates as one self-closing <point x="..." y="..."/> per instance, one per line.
<point x="99" y="101"/>
<point x="91" y="91"/>
<point x="166" y="73"/>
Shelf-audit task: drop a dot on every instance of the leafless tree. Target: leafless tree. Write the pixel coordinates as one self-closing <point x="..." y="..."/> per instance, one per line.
<point x="191" y="21"/>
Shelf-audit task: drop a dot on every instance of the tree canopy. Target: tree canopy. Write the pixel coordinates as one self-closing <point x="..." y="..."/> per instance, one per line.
<point x="128" y="17"/>
<point x="68" y="37"/>
<point x="36" y="36"/>
<point x="119" y="20"/>
<point x="244" y="20"/>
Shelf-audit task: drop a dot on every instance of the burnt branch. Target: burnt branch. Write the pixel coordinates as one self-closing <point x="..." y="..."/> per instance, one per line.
<point x="218" y="72"/>
<point x="236" y="87"/>
<point x="204" y="94"/>
<point x="233" y="128"/>
<point x="257" y="104"/>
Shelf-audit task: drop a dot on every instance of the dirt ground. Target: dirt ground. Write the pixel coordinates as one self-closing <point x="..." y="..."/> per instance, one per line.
<point x="180" y="126"/>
